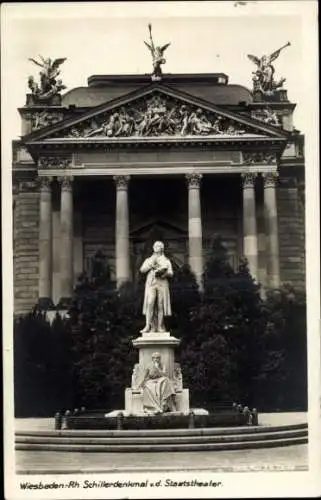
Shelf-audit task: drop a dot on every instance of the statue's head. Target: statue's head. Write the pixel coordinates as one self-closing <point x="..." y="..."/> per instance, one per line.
<point x="156" y="356"/>
<point x="264" y="60"/>
<point x="158" y="247"/>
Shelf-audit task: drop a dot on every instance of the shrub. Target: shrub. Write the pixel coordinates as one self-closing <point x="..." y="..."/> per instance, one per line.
<point x="234" y="346"/>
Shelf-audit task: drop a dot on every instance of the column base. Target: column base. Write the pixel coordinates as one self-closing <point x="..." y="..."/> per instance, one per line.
<point x="45" y="303"/>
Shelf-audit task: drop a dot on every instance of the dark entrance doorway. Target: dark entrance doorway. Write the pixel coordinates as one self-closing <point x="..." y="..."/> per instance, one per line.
<point x="158" y="211"/>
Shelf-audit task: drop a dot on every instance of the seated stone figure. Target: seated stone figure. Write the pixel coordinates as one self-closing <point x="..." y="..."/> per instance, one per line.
<point x="158" y="390"/>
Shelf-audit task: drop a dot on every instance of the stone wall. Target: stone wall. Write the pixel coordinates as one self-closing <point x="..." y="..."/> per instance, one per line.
<point x="25" y="247"/>
<point x="291" y="233"/>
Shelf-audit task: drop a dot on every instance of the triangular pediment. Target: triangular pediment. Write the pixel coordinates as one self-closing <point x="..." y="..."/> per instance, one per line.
<point x="154" y="112"/>
<point x="157" y="228"/>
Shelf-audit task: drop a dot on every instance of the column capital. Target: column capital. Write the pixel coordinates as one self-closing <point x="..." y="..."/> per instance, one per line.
<point x="194" y="180"/>
<point x="66" y="182"/>
<point x="270" y="179"/>
<point x="45" y="183"/>
<point x="121" y="181"/>
<point x="248" y="179"/>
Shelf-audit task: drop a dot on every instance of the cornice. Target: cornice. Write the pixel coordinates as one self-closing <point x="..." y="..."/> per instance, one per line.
<point x="144" y="92"/>
<point x="157" y="141"/>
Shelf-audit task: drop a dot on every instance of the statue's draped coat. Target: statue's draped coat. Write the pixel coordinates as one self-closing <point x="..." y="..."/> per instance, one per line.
<point x="161" y="283"/>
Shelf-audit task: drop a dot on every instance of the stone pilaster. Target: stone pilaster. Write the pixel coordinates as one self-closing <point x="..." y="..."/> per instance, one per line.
<point x="66" y="240"/>
<point x="45" y="242"/>
<point x="122" y="230"/>
<point x="271" y="225"/>
<point x="26" y="246"/>
<point x="250" y="240"/>
<point x="195" y="226"/>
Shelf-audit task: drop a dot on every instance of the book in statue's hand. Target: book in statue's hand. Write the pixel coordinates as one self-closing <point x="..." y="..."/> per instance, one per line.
<point x="161" y="272"/>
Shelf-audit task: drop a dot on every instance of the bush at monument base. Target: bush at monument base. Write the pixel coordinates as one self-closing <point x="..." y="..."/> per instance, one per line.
<point x="235" y="347"/>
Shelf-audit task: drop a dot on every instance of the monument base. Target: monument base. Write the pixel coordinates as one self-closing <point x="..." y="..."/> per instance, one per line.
<point x="164" y="344"/>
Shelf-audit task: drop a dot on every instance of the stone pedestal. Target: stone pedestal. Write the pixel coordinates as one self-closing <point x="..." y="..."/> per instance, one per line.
<point x="165" y="344"/>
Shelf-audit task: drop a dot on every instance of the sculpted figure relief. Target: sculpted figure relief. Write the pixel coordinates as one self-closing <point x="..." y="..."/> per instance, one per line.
<point x="159" y="116"/>
<point x="157" y="55"/>
<point x="263" y="77"/>
<point x="158" y="389"/>
<point x="50" y="85"/>
<point x="43" y="119"/>
<point x="268" y="116"/>
<point x="157" y="304"/>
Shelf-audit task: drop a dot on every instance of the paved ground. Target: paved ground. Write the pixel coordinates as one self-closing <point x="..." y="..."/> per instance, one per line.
<point x="287" y="458"/>
<point x="282" y="458"/>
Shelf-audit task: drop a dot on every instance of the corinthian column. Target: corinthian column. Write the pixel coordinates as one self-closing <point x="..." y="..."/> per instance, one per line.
<point x="45" y="242"/>
<point x="66" y="240"/>
<point x="271" y="224"/>
<point x="250" y="243"/>
<point x="122" y="230"/>
<point x="195" y="226"/>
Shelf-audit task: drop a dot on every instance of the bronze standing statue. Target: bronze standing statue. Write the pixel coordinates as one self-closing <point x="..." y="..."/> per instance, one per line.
<point x="157" y="55"/>
<point x="263" y="78"/>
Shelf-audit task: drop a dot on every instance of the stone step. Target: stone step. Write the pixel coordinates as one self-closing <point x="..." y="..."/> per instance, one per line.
<point x="210" y="431"/>
<point x="161" y="439"/>
<point x="107" y="448"/>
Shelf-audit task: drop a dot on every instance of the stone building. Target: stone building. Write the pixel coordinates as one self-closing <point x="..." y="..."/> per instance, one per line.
<point x="127" y="160"/>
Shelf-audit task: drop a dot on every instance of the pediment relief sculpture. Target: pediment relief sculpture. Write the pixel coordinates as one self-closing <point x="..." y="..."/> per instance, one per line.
<point x="159" y="116"/>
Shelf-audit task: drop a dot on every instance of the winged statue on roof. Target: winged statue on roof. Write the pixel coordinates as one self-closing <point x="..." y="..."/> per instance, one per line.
<point x="50" y="84"/>
<point x="263" y="77"/>
<point x="157" y="55"/>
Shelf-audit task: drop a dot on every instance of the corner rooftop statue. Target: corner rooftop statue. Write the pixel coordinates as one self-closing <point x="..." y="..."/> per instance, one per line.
<point x="263" y="77"/>
<point x="50" y="86"/>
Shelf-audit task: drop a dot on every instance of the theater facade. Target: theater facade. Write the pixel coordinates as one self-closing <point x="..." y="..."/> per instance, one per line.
<point x="128" y="159"/>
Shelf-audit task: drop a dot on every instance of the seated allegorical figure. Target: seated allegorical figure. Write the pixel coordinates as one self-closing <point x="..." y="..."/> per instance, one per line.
<point x="158" y="389"/>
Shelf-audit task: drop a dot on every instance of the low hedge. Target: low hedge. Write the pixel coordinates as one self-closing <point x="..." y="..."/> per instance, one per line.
<point x="94" y="422"/>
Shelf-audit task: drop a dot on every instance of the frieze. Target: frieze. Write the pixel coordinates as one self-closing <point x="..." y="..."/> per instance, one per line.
<point x="259" y="158"/>
<point x="40" y="119"/>
<point x="159" y="116"/>
<point x="56" y="162"/>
